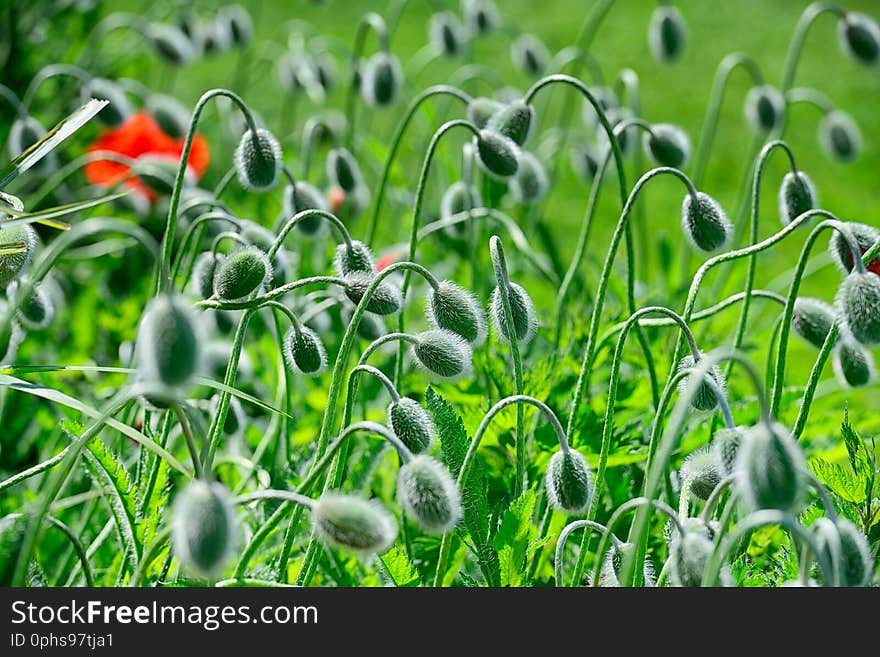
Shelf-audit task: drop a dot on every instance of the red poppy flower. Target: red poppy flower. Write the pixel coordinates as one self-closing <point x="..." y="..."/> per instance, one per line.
<point x="141" y="137"/>
<point x="387" y="259"/>
<point x="873" y="266"/>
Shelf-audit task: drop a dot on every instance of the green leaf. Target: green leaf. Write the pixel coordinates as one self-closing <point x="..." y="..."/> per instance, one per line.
<point x="514" y="538"/>
<point x="455" y="442"/>
<point x="844" y="483"/>
<point x="855" y="447"/>
<point x="400" y="569"/>
<point x="48" y="216"/>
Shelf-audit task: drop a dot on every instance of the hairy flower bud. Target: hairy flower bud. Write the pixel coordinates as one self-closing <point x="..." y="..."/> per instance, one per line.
<point x="241" y="273"/>
<point x="480" y="16"/>
<point x="840" y="137"/>
<point x="725" y="444"/>
<point x="241" y="26"/>
<point x="204" y="528"/>
<point x="12" y="264"/>
<point x="856" y="563"/>
<point x="667" y="34"/>
<point x="496" y="154"/>
<point x="812" y="320"/>
<point x="412" y="424"/>
<point x="428" y="495"/>
<point x="443" y="353"/>
<point x="667" y="145"/>
<point x="860" y="37"/>
<point x="385" y="300"/>
<point x="258" y="161"/>
<point x="513" y="121"/>
<point x="797" y="195"/>
<point x="705" y="399"/>
<point x="569" y="482"/>
<point x="119" y="107"/>
<point x="382" y="79"/>
<point x="858" y="301"/>
<point x="529" y="55"/>
<point x="529" y="184"/>
<point x="701" y="471"/>
<point x="353" y="523"/>
<point x="584" y="161"/>
<point x="447" y="34"/>
<point x="853" y="364"/>
<point x="455" y="309"/>
<point x="169" y="342"/>
<point x="204" y="270"/>
<point x="522" y="311"/>
<point x="170" y="115"/>
<point x="459" y="197"/>
<point x="771" y="469"/>
<point x="613" y="564"/>
<point x="689" y="553"/>
<point x="481" y="109"/>
<point x="354" y="259"/>
<point x="170" y="43"/>
<point x="705" y="223"/>
<point x="764" y="107"/>
<point x="37" y="311"/>
<point x="299" y="198"/>
<point x="303" y="351"/>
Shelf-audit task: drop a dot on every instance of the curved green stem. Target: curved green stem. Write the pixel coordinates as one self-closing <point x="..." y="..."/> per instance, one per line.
<point x="808" y="17"/>
<point x="563" y="538"/>
<point x="308" y="214"/>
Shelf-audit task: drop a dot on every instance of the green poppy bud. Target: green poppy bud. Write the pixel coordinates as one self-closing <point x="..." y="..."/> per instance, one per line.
<point x="455" y="309"/>
<point x="764" y="107"/>
<point x="497" y="155"/>
<point x="522" y="310"/>
<point x="204" y="528"/>
<point x="258" y="161"/>
<point x="529" y="184"/>
<point x="513" y="121"/>
<point x="459" y="197"/>
<point x="701" y="472"/>
<point x="169" y="342"/>
<point x="689" y="554"/>
<point x="204" y="270"/>
<point x="428" y="495"/>
<point x="37" y="311"/>
<point x="853" y="364"/>
<point x="299" y="198"/>
<point x="119" y="107"/>
<point x="667" y="145"/>
<point x="480" y="16"/>
<point x="241" y="273"/>
<point x="447" y="34"/>
<point x="797" y="195"/>
<point x="860" y="37"/>
<point x="343" y="170"/>
<point x="412" y="424"/>
<point x="385" y="300"/>
<point x="771" y="469"/>
<point x="353" y="523"/>
<point x="170" y="43"/>
<point x="382" y="79"/>
<point x="443" y="353"/>
<point x="303" y="351"/>
<point x="725" y="444"/>
<point x="170" y="115"/>
<point x="858" y="300"/>
<point x="569" y="482"/>
<point x="240" y="24"/>
<point x="705" y="399"/>
<point x="705" y="223"/>
<point x="584" y="161"/>
<point x="354" y="259"/>
<point x="613" y="565"/>
<point x="856" y="562"/>
<point x="529" y="55"/>
<point x="667" y="34"/>
<point x="840" y="137"/>
<point x="812" y="320"/>
<point x="481" y="109"/>
<point x="12" y="264"/>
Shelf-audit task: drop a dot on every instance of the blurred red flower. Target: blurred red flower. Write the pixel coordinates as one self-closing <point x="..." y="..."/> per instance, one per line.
<point x="140" y="136"/>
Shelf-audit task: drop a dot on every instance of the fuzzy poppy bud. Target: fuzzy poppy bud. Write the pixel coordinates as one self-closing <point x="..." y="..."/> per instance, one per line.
<point x="241" y="26"/>
<point x="118" y="108"/>
<point x="385" y="300"/>
<point x="36" y="312"/>
<point x="170" y="115"/>
<point x="611" y="567"/>
<point x="170" y="43"/>
<point x="839" y="136"/>
<point x="764" y="107"/>
<point x="381" y="81"/>
<point x="453" y="308"/>
<point x="667" y="145"/>
<point x="343" y="169"/>
<point x="771" y="469"/>
<point x="856" y="562"/>
<point x="258" y="161"/>
<point x="481" y="109"/>
<point x="667" y="34"/>
<point x="204" y="269"/>
<point x="428" y="495"/>
<point x="812" y="319"/>
<point x="513" y="121"/>
<point x="12" y="264"/>
<point x="569" y="481"/>
<point x="480" y="16"/>
<point x="353" y="523"/>
<point x="353" y="259"/>
<point x="705" y="223"/>
<point x="529" y="55"/>
<point x="689" y="554"/>
<point x="412" y="424"/>
<point x="584" y="161"/>
<point x="607" y="100"/>
<point x="241" y="273"/>
<point x="858" y="300"/>
<point x="860" y="37"/>
<point x="725" y="444"/>
<point x="496" y="154"/>
<point x="169" y="342"/>
<point x="447" y="34"/>
<point x="529" y="184"/>
<point x="215" y="37"/>
<point x="303" y="351"/>
<point x="459" y="197"/>
<point x="866" y="236"/>
<point x="853" y="364"/>
<point x="797" y="195"/>
<point x="701" y="471"/>
<point x="203" y="528"/>
<point x="522" y="311"/>
<point x="299" y="198"/>
<point x="705" y="399"/>
<point x="443" y="353"/>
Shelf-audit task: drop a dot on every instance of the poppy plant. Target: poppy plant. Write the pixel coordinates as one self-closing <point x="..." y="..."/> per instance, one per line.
<point x="140" y="137"/>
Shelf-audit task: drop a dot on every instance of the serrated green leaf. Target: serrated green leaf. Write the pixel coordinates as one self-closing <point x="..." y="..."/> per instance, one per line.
<point x="844" y="483"/>
<point x="855" y="447"/>
<point x="513" y="538"/>
<point x="400" y="569"/>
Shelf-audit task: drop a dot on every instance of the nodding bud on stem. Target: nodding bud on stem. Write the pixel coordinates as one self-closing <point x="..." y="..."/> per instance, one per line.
<point x="529" y="184"/>
<point x="428" y="495"/>
<point x="667" y="34"/>
<point x="459" y="197"/>
<point x="37" y="311"/>
<point x="119" y="107"/>
<point x="812" y="320"/>
<point x="299" y="198"/>
<point x="853" y="364"/>
<point x="238" y="275"/>
<point x="169" y="342"/>
<point x="667" y="145"/>
<point x="353" y="523"/>
<point x="797" y="194"/>
<point x="343" y="169"/>
<point x="764" y="107"/>
<point x="447" y="34"/>
<point x="839" y="136"/>
<point x="453" y="308"/>
<point x="381" y="79"/>
<point x="689" y="553"/>
<point x="204" y="270"/>
<point x="529" y="54"/>
<point x="856" y="561"/>
<point x="701" y="472"/>
<point x="354" y="259"/>
<point x="858" y="301"/>
<point x="481" y="109"/>
<point x="584" y="161"/>
<point x="443" y="353"/>
<point x="12" y="264"/>
<point x="170" y="43"/>
<point x="725" y="444"/>
<point x="258" y="160"/>
<point x="860" y="37"/>
<point x="513" y="121"/>
<point x="204" y="529"/>
<point x="240" y="24"/>
<point x="170" y="115"/>
<point x="866" y="236"/>
<point x="480" y="16"/>
<point x="705" y="399"/>
<point x="569" y="481"/>
<point x="385" y="300"/>
<point x="412" y="424"/>
<point x="705" y="223"/>
<point x="771" y="469"/>
<point x="303" y="351"/>
<point x="522" y="311"/>
<point x="497" y="155"/>
<point x="611" y="567"/>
